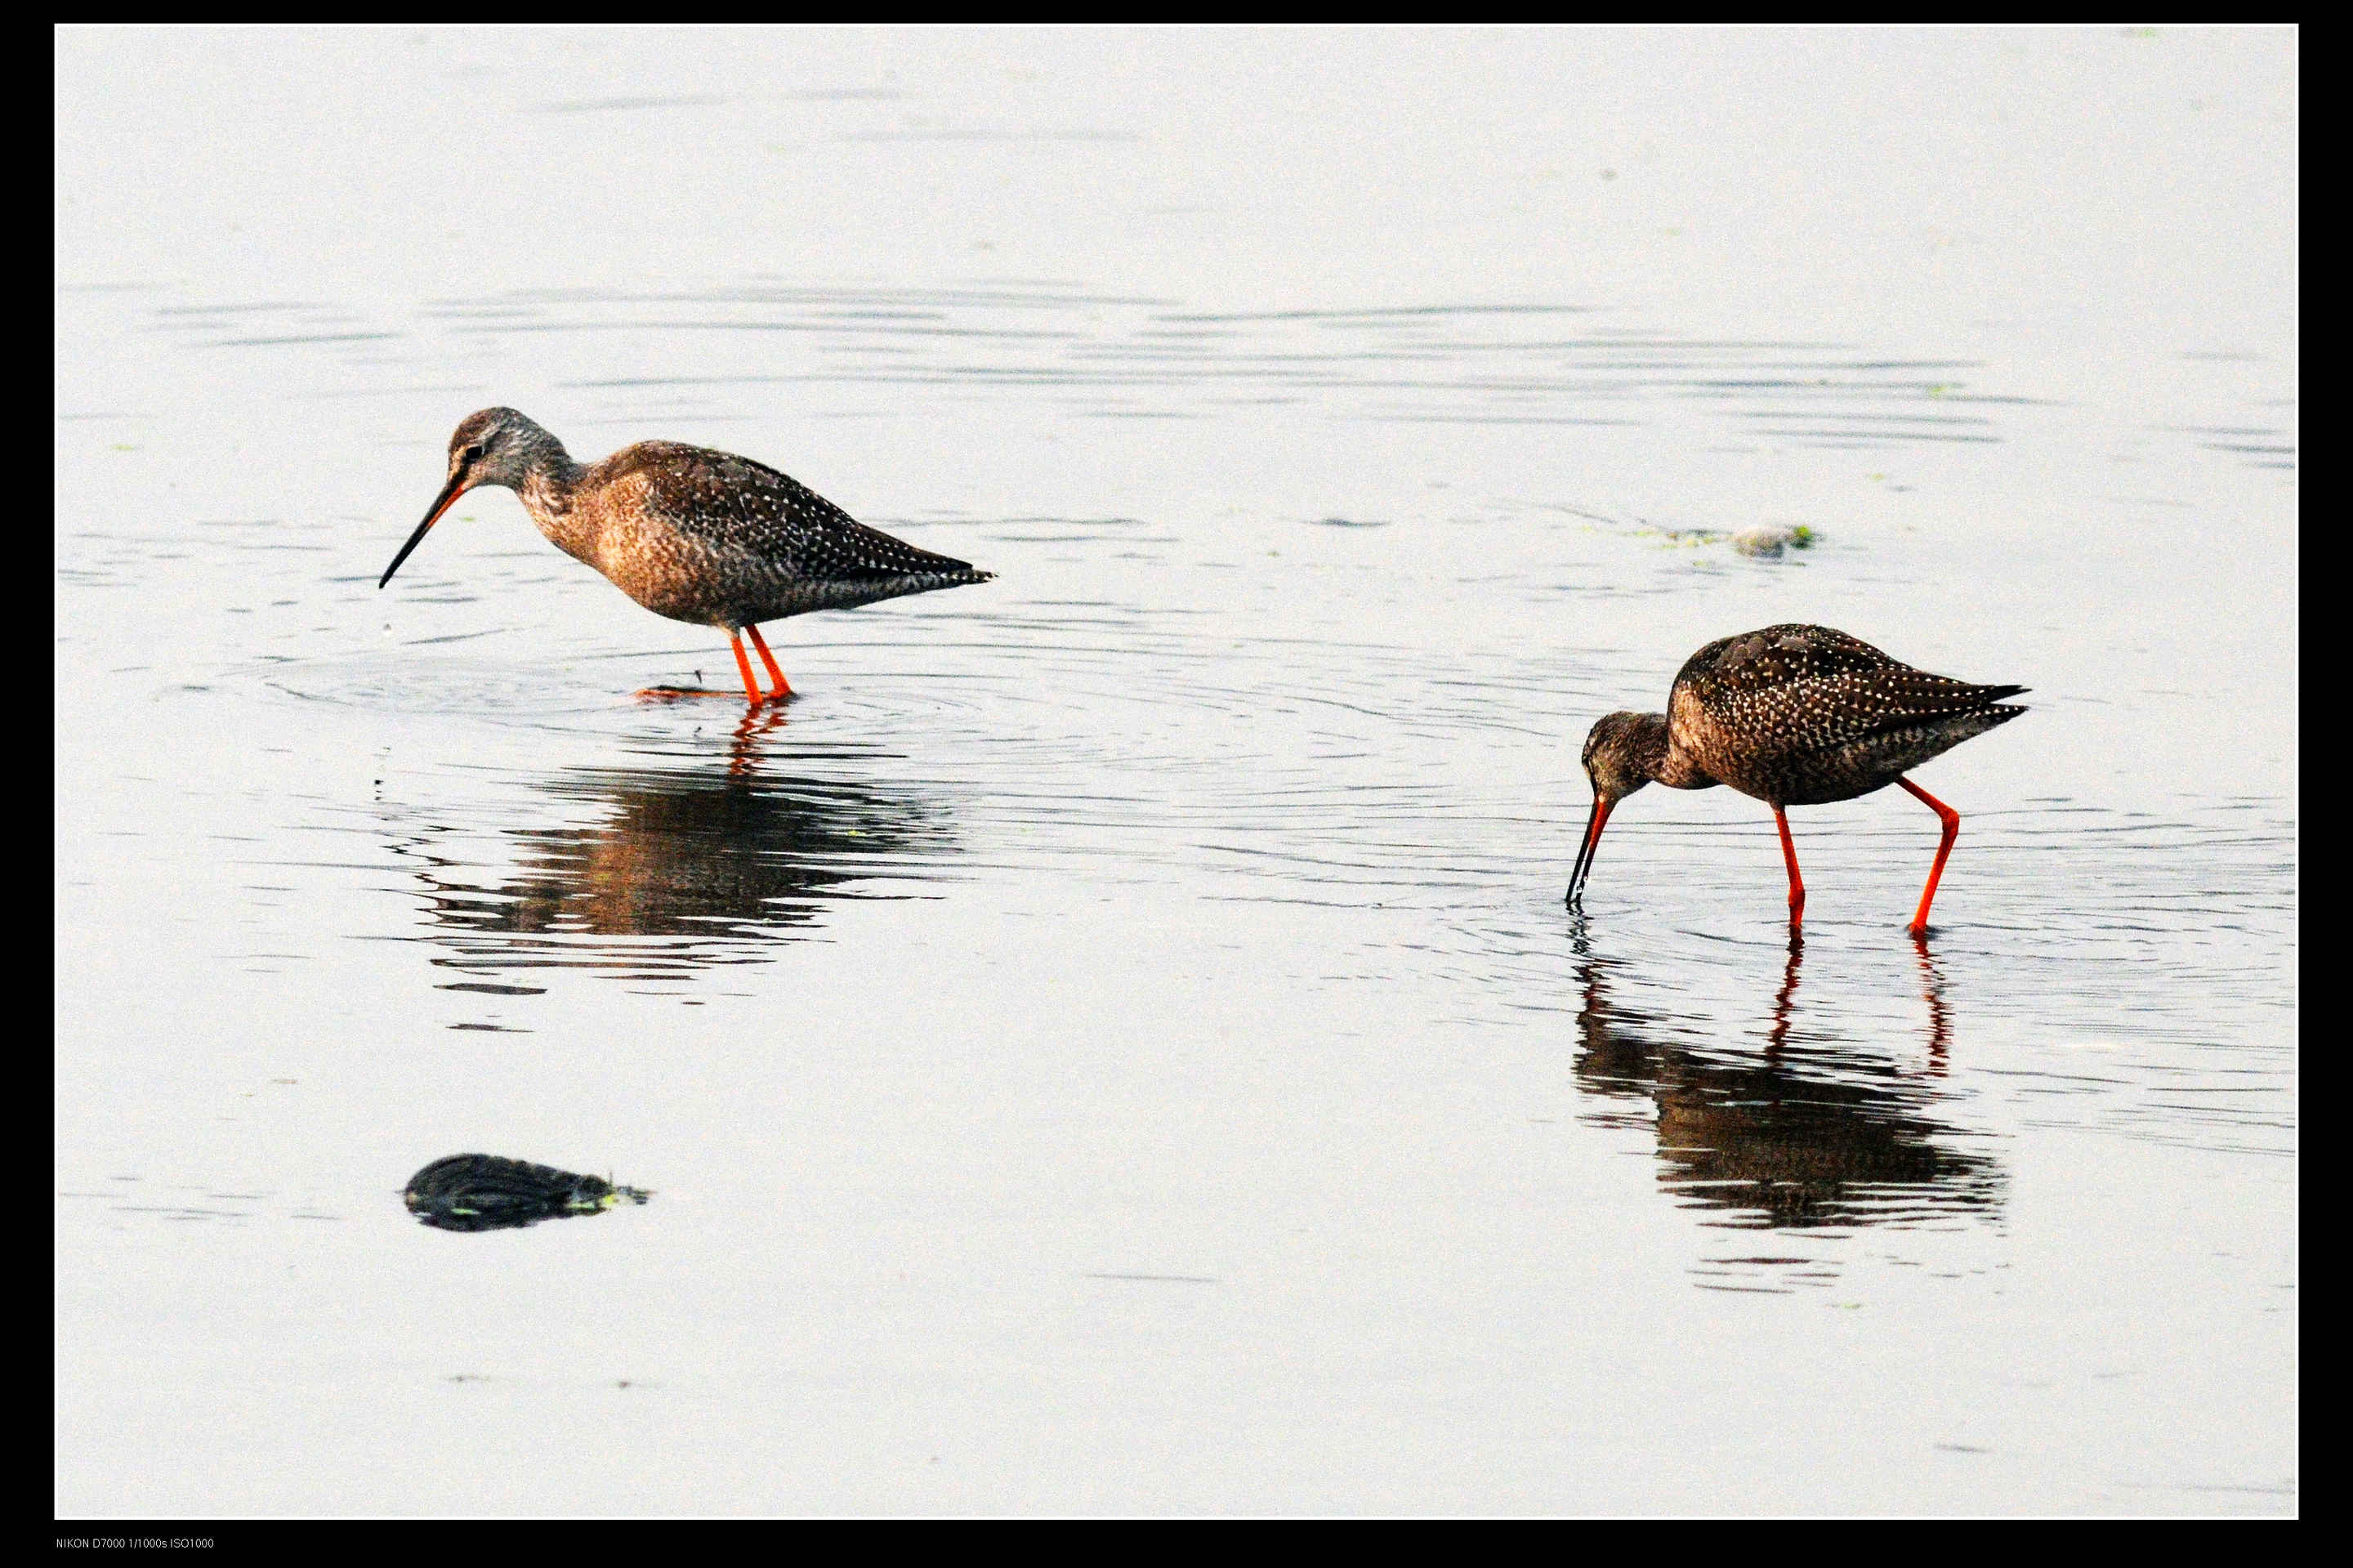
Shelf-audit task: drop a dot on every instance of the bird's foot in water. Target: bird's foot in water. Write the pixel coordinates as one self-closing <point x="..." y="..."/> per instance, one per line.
<point x="681" y="694"/>
<point x="685" y="693"/>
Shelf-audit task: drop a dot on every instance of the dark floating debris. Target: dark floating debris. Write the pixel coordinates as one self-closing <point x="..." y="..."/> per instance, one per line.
<point x="484" y="1193"/>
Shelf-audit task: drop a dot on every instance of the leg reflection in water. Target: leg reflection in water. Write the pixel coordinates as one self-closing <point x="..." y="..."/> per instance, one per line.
<point x="743" y="755"/>
<point x="1940" y="1022"/>
<point x="1814" y="1132"/>
<point x="659" y="869"/>
<point x="1778" y="1035"/>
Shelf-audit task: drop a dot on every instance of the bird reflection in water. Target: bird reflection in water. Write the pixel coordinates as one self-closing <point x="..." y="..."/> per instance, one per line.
<point x="679" y="867"/>
<point x="1801" y="1135"/>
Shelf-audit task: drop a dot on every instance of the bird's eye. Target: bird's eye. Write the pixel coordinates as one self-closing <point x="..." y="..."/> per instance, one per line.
<point x="471" y="453"/>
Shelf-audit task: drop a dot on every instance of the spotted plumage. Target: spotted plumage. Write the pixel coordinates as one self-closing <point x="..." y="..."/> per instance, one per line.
<point x="707" y="536"/>
<point x="1799" y="715"/>
<point x="1794" y="715"/>
<point x="691" y="533"/>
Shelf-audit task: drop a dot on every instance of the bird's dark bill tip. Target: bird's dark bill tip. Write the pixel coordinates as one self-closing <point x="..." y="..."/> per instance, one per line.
<point x="441" y="503"/>
<point x="1595" y="820"/>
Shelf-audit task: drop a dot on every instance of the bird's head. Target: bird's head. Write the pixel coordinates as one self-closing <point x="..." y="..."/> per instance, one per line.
<point x="494" y="446"/>
<point x="1622" y="753"/>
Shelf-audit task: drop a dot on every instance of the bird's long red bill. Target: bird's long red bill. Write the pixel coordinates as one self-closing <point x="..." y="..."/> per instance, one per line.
<point x="1594" y="821"/>
<point x="442" y="503"/>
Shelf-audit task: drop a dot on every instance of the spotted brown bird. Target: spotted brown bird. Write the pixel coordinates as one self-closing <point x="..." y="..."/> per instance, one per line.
<point x="695" y="535"/>
<point x="1795" y="715"/>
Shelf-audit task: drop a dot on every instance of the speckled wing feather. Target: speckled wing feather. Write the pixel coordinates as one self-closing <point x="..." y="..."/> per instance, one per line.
<point x="1797" y="688"/>
<point x="734" y="503"/>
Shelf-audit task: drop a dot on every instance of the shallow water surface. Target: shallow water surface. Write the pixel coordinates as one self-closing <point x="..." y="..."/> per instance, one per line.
<point x="1115" y="1042"/>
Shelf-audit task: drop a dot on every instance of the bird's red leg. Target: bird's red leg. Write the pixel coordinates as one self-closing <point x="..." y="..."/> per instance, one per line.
<point x="1789" y="853"/>
<point x="743" y="666"/>
<point x="784" y="687"/>
<point x="1952" y="820"/>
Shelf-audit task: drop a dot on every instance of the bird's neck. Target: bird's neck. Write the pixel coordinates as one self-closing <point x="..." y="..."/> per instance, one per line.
<point x="547" y="490"/>
<point x="1664" y="762"/>
<point x="547" y="485"/>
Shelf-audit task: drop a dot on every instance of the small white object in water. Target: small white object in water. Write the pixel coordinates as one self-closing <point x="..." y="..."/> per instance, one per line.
<point x="1768" y="540"/>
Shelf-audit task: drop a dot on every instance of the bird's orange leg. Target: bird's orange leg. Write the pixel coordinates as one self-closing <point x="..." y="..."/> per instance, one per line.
<point x="784" y="687"/>
<point x="743" y="667"/>
<point x="1952" y="820"/>
<point x="1789" y="853"/>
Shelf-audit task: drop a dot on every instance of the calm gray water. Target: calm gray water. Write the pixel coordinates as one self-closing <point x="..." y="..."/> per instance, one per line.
<point x="1115" y="1043"/>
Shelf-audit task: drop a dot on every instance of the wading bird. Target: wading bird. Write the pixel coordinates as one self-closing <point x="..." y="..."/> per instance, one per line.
<point x="695" y="535"/>
<point x="1795" y="715"/>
